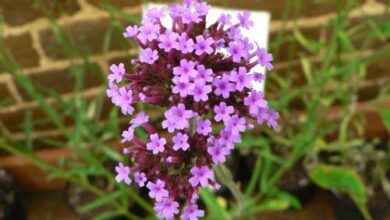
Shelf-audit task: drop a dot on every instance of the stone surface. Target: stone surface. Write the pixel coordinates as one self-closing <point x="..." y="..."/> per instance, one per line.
<point x="21" y="49"/>
<point x="64" y="80"/>
<point x="89" y="36"/>
<point x="5" y="96"/>
<point x="24" y="11"/>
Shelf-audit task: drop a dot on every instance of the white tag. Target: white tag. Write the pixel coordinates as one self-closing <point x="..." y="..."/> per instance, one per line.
<point x="257" y="34"/>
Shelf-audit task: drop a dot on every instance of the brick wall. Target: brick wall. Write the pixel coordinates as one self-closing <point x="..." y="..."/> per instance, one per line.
<point x="29" y="36"/>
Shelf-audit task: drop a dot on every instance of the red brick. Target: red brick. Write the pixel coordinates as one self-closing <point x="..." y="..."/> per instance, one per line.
<point x="379" y="69"/>
<point x="303" y="8"/>
<point x="289" y="48"/>
<point x="122" y="3"/>
<point x="63" y="80"/>
<point x="21" y="49"/>
<point x="87" y="36"/>
<point x="24" y="11"/>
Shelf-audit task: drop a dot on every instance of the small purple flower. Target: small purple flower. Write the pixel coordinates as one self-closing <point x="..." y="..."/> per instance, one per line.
<point x="128" y="135"/>
<point x="157" y="190"/>
<point x="244" y="19"/>
<point x="225" y="19"/>
<point x="190" y="17"/>
<point x="265" y="58"/>
<point x="140" y="178"/>
<point x="201" y="175"/>
<point x="201" y="91"/>
<point x="167" y="209"/>
<point x="242" y="79"/>
<point x="236" y="124"/>
<point x="154" y="14"/>
<point x="131" y="31"/>
<point x="139" y="119"/>
<point x="220" y="43"/>
<point x="148" y="56"/>
<point x="182" y="87"/>
<point x="218" y="153"/>
<point x="117" y="73"/>
<point x="237" y="50"/>
<point x="223" y="86"/>
<point x="177" y="118"/>
<point x="124" y="100"/>
<point x="203" y="45"/>
<point x="223" y="112"/>
<point x="156" y="144"/>
<point x="185" y="45"/>
<point x="191" y="212"/>
<point x="228" y="138"/>
<point x="203" y="127"/>
<point x="112" y="90"/>
<point x="148" y="32"/>
<point x="258" y="77"/>
<point x="176" y="10"/>
<point x="185" y="71"/>
<point x="204" y="74"/>
<point x="255" y="101"/>
<point x="272" y="119"/>
<point x="234" y="33"/>
<point x="122" y="174"/>
<point x="202" y="8"/>
<point x="180" y="141"/>
<point x="168" y="41"/>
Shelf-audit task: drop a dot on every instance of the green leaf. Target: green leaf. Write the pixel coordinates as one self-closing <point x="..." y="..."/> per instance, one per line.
<point x="215" y="210"/>
<point x="291" y="199"/>
<point x="385" y="113"/>
<point x="99" y="202"/>
<point x="307" y="43"/>
<point x="341" y="179"/>
<point x="28" y="130"/>
<point x="271" y="205"/>
<point x="112" y="154"/>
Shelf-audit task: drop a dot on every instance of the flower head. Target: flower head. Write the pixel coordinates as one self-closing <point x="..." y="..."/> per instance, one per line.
<point x="201" y="77"/>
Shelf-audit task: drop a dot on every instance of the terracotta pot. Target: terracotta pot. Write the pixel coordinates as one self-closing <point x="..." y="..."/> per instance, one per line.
<point x="344" y="209"/>
<point x="30" y="177"/>
<point x="10" y="206"/>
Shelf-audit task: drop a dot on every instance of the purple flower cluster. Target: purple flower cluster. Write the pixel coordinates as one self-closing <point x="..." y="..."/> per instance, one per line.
<point x="201" y="75"/>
